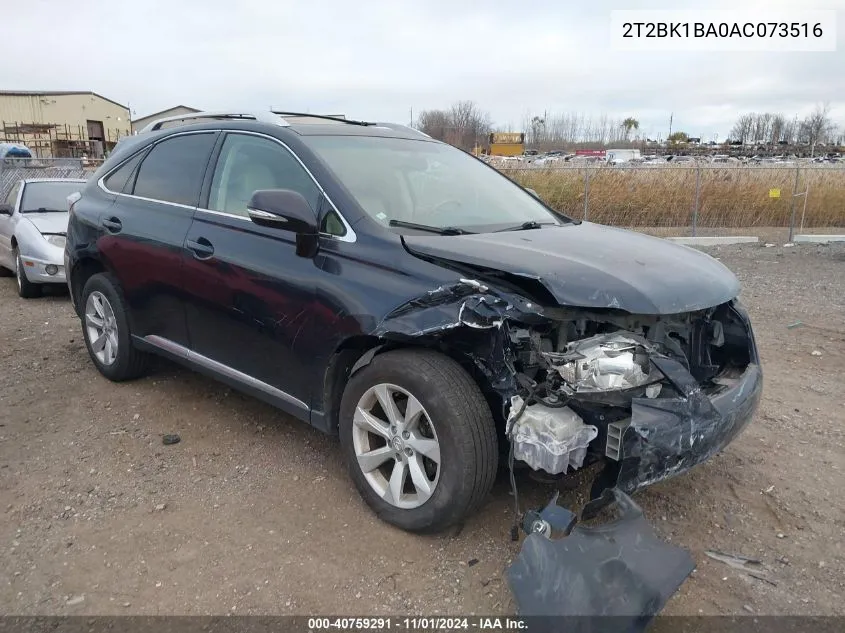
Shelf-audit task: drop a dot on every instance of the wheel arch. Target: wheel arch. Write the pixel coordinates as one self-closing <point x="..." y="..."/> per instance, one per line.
<point x="356" y="352"/>
<point x="83" y="269"/>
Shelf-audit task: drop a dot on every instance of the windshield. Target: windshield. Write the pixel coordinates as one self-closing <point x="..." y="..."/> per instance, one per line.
<point x="48" y="196"/>
<point x="429" y="184"/>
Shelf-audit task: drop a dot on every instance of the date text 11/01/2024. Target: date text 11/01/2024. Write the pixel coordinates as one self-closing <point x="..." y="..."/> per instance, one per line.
<point x="418" y="624"/>
<point x="721" y="29"/>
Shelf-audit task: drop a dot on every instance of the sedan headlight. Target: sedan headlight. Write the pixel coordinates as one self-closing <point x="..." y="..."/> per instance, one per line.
<point x="56" y="240"/>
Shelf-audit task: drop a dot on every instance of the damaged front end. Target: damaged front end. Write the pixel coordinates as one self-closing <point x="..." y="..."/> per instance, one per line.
<point x="654" y="394"/>
<point x="649" y="396"/>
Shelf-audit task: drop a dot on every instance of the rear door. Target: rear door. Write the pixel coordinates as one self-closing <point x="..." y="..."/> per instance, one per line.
<point x="143" y="232"/>
<point x="249" y="296"/>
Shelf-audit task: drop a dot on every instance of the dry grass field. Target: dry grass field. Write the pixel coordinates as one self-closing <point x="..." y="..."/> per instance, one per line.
<point x="664" y="196"/>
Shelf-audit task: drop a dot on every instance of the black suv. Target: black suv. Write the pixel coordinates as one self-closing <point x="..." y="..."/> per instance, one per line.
<point x="395" y="290"/>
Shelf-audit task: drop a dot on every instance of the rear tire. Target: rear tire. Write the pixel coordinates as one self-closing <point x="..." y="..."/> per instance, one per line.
<point x="26" y="289"/>
<point x="454" y="415"/>
<point x="105" y="328"/>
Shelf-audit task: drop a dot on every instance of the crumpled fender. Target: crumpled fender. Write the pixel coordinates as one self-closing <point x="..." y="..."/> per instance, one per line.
<point x="614" y="577"/>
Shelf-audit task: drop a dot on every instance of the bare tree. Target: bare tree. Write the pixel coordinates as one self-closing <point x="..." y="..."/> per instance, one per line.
<point x="742" y="129"/>
<point x="470" y="122"/>
<point x="778" y="127"/>
<point x="817" y="127"/>
<point x="464" y="124"/>
<point x="435" y="123"/>
<point x="538" y="129"/>
<point x="762" y="127"/>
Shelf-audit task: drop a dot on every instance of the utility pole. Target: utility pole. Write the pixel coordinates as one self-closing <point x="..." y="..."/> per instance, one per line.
<point x="671" y="116"/>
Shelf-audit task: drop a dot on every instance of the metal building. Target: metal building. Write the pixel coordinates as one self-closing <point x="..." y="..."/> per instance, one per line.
<point x="139" y="124"/>
<point x="62" y="123"/>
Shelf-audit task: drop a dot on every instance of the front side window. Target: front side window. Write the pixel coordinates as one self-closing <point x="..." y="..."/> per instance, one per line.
<point x="250" y="163"/>
<point x="427" y="183"/>
<point x="174" y="169"/>
<point x="47" y="197"/>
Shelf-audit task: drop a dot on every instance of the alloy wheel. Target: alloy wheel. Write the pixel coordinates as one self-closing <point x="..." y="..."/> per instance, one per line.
<point x="396" y="446"/>
<point x="101" y="327"/>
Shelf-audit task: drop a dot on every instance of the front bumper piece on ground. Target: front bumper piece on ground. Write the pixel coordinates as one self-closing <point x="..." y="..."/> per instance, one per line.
<point x="611" y="578"/>
<point x="617" y="576"/>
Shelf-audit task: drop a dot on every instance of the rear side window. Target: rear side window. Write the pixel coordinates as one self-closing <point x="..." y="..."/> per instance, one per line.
<point x="174" y="168"/>
<point x="118" y="179"/>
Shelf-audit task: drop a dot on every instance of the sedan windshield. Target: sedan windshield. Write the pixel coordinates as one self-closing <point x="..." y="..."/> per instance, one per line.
<point x="43" y="197"/>
<point x="432" y="186"/>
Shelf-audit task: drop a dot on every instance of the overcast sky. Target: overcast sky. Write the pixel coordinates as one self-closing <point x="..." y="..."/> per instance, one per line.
<point x="377" y="59"/>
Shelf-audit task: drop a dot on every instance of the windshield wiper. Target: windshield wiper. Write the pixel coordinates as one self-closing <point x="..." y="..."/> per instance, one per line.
<point x="440" y="230"/>
<point x="527" y="226"/>
<point x="44" y="210"/>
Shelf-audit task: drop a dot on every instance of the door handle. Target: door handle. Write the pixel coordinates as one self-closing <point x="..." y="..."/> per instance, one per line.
<point x="112" y="225"/>
<point x="201" y="248"/>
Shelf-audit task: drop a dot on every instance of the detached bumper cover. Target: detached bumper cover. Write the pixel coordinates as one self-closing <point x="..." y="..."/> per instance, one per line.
<point x="610" y="578"/>
<point x="668" y="436"/>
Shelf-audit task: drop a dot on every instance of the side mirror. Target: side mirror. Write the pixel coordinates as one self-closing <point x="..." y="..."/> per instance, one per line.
<point x="282" y="209"/>
<point x="5" y="209"/>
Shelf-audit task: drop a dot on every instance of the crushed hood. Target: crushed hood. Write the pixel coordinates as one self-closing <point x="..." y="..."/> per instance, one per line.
<point x="49" y="222"/>
<point x="593" y="266"/>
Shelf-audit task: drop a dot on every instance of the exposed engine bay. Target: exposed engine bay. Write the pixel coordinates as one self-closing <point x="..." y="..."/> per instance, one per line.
<point x="585" y="369"/>
<point x="650" y="395"/>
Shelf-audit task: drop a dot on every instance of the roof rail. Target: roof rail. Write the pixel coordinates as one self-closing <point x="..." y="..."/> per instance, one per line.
<point x="263" y="117"/>
<point x="322" y="116"/>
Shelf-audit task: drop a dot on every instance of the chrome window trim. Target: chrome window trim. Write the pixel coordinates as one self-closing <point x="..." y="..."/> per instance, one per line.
<point x="350" y="233"/>
<point x="245" y="218"/>
<point x="223" y="369"/>
<point x="102" y="185"/>
<point x="350" y="236"/>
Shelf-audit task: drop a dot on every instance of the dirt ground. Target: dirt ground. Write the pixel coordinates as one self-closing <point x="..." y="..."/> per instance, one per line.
<point x="252" y="513"/>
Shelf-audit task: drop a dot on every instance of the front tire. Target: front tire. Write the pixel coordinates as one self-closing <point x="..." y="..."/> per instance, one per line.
<point x="418" y="439"/>
<point x="26" y="289"/>
<point x="105" y="328"/>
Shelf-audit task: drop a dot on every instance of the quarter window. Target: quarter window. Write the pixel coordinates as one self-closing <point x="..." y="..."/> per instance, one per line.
<point x="118" y="179"/>
<point x="250" y="163"/>
<point x="174" y="169"/>
<point x="12" y="199"/>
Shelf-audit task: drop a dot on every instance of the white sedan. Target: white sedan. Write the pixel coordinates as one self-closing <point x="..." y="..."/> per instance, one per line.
<point x="33" y="225"/>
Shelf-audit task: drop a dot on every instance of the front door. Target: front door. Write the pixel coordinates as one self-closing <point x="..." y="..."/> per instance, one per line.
<point x="143" y="232"/>
<point x="7" y="228"/>
<point x="249" y="296"/>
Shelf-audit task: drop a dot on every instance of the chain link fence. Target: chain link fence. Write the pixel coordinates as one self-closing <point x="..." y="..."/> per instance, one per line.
<point x="768" y="201"/>
<point x="12" y="170"/>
